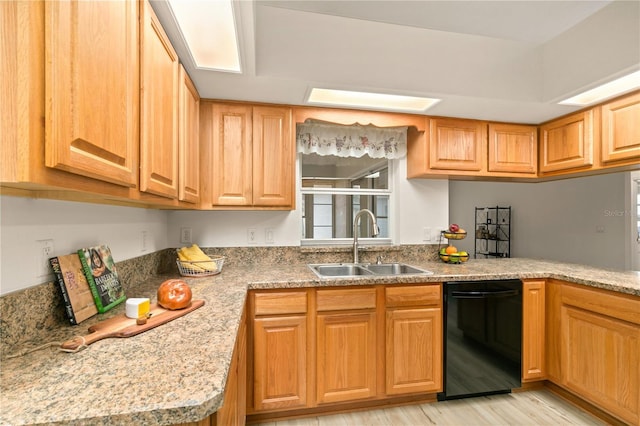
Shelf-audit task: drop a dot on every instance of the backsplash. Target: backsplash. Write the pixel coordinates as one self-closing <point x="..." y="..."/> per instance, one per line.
<point x="32" y="315"/>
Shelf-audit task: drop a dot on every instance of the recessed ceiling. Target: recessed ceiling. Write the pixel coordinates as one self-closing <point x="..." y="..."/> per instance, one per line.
<point x="494" y="60"/>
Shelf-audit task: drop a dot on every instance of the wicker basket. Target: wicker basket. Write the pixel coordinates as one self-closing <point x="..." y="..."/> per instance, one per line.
<point x="200" y="268"/>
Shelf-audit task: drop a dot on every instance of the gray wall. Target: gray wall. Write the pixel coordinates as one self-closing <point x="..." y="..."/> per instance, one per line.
<point x="568" y="220"/>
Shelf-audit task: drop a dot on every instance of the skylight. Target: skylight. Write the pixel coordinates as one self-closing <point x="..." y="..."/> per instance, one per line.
<point x="616" y="87"/>
<point x="345" y="98"/>
<point x="209" y="31"/>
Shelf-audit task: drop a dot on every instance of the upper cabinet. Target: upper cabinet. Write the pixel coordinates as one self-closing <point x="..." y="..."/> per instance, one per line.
<point x="189" y="140"/>
<point x="91" y="89"/>
<point x="456" y="147"/>
<point x="457" y="144"/>
<point x="159" y="109"/>
<point x="273" y="157"/>
<point x="567" y="143"/>
<point x="513" y="148"/>
<point x="252" y="156"/>
<point x="621" y="129"/>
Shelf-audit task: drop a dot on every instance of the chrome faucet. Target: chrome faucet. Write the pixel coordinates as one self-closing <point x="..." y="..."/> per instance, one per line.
<point x="356" y="220"/>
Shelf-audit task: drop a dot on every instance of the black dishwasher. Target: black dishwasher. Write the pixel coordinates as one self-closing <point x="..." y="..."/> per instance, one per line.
<point x="482" y="338"/>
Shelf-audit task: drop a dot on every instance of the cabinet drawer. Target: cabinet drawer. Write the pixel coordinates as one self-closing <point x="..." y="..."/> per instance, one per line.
<point x="343" y="299"/>
<point x="282" y="302"/>
<point x="619" y="306"/>
<point x="415" y="295"/>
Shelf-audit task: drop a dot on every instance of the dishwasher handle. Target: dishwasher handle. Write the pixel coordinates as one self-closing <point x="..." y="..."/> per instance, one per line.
<point x="483" y="294"/>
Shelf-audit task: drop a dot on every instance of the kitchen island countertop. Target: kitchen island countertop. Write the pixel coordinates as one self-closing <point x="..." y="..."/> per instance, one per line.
<point x="177" y="372"/>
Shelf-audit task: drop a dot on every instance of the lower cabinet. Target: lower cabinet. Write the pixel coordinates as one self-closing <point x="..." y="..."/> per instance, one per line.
<point x="346" y="345"/>
<point x="313" y="349"/>
<point x="413" y="339"/>
<point x="593" y="347"/>
<point x="533" y="330"/>
<point x="278" y="360"/>
<point x="601" y="349"/>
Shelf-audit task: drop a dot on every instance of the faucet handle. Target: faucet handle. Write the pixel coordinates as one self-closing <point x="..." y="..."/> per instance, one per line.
<point x="380" y="259"/>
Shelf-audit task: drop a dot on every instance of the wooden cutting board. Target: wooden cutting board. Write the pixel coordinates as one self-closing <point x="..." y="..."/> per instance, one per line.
<point x="123" y="326"/>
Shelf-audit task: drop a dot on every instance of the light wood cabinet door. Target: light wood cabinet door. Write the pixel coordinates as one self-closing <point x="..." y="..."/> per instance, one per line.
<point x="553" y="329"/>
<point x="232" y="155"/>
<point x="279" y="362"/>
<point x="567" y="143"/>
<point x="457" y="144"/>
<point x="533" y="330"/>
<point x="513" y="148"/>
<point x="159" y="109"/>
<point x="602" y="361"/>
<point x="346" y="356"/>
<point x="273" y="157"/>
<point x="91" y="89"/>
<point x="413" y="350"/>
<point x="621" y="129"/>
<point x="189" y="140"/>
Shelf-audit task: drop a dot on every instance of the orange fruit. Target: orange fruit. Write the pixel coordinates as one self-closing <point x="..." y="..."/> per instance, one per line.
<point x="451" y="249"/>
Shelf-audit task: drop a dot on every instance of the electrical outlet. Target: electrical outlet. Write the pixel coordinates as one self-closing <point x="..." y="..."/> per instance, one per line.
<point x="45" y="252"/>
<point x="426" y="233"/>
<point x="143" y="241"/>
<point x="268" y="236"/>
<point x="251" y="236"/>
<point x="185" y="235"/>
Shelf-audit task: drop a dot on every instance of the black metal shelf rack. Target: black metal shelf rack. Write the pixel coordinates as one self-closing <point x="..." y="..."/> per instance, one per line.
<point x="493" y="232"/>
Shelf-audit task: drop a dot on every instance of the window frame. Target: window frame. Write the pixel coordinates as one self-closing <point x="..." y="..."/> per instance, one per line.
<point x="389" y="192"/>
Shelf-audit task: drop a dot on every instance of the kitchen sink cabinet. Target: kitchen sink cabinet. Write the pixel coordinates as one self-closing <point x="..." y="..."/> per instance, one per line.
<point x="599" y="344"/>
<point x="251" y="155"/>
<point x="91" y="89"/>
<point x="278" y="338"/>
<point x="189" y="140"/>
<point x="159" y="108"/>
<point x="533" y="330"/>
<point x="413" y="339"/>
<point x="621" y="129"/>
<point x="343" y="333"/>
<point x="567" y="143"/>
<point x="346" y="345"/>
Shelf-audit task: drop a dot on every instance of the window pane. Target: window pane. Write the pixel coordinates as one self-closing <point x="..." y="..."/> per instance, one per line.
<point x="364" y="172"/>
<point x="335" y="220"/>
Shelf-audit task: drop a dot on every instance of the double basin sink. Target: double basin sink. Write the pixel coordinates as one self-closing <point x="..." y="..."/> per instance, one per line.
<point x="341" y="270"/>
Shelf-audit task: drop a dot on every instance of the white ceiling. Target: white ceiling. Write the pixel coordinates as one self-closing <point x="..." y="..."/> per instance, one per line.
<point x="492" y="60"/>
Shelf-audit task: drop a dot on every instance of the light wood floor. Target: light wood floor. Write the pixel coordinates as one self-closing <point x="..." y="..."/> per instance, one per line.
<point x="535" y="407"/>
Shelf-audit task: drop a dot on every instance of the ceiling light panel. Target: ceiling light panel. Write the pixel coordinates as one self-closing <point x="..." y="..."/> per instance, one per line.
<point x="616" y="87"/>
<point x="345" y="98"/>
<point x="208" y="28"/>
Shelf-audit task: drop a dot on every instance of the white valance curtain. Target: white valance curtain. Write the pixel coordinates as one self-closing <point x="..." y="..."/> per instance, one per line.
<point x="356" y="140"/>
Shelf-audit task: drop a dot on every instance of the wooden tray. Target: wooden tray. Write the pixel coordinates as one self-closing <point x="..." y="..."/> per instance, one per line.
<point x="123" y="326"/>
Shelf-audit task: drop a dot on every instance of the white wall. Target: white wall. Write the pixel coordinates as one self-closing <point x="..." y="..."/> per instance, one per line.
<point x="571" y="220"/>
<point x="24" y="221"/>
<point x="417" y="203"/>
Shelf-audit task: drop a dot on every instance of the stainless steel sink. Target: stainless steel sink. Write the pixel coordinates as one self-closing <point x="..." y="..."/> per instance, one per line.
<point x="395" y="269"/>
<point x="341" y="270"/>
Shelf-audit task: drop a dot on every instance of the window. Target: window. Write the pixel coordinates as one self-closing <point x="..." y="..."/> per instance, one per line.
<point x="334" y="189"/>
<point x="346" y="169"/>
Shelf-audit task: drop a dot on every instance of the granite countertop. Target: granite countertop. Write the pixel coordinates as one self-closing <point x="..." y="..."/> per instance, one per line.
<point x="177" y="372"/>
